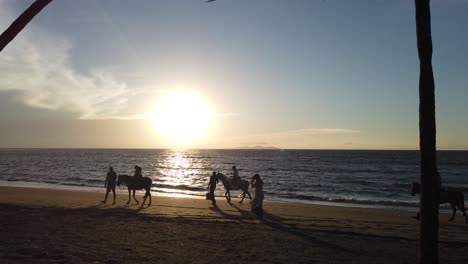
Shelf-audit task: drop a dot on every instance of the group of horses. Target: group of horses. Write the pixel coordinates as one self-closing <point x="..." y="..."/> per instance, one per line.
<point x="145" y="183"/>
<point x="453" y="197"/>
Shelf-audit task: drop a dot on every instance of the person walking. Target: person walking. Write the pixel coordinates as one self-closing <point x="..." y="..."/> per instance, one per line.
<point x="212" y="187"/>
<point x="109" y="184"/>
<point x="257" y="202"/>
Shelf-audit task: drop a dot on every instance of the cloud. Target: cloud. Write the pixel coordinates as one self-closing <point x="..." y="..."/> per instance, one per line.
<point x="38" y="67"/>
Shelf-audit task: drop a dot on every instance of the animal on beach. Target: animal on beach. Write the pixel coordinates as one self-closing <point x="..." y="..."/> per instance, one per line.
<point x="453" y="197"/>
<point x="243" y="185"/>
<point x="134" y="184"/>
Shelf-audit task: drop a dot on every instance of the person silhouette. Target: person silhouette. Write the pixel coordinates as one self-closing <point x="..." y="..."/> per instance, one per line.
<point x="109" y="184"/>
<point x="257" y="202"/>
<point x="137" y="176"/>
<point x="212" y="186"/>
<point x="235" y="177"/>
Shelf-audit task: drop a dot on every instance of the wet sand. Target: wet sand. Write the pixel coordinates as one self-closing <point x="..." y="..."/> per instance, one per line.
<point x="57" y="226"/>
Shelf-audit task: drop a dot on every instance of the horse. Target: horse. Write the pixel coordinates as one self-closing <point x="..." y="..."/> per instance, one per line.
<point x="454" y="198"/>
<point x="243" y="185"/>
<point x="145" y="183"/>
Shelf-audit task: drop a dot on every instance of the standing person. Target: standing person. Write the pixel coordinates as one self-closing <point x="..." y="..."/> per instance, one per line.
<point x="212" y="186"/>
<point x="257" y="202"/>
<point x="109" y="184"/>
<point x="235" y="178"/>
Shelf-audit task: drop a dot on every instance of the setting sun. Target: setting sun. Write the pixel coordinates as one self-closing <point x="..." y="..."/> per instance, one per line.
<point x="182" y="117"/>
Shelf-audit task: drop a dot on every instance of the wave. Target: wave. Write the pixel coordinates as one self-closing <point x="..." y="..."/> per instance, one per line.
<point x="94" y="181"/>
<point x="73" y="184"/>
<point x="52" y="182"/>
<point x="455" y="163"/>
<point x="392" y="203"/>
<point x="74" y="178"/>
<point x="350" y="200"/>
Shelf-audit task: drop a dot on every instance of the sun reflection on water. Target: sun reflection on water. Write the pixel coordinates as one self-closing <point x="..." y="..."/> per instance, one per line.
<point x="183" y="171"/>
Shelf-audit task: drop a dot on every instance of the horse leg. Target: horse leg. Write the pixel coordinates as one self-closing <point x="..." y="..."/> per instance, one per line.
<point x="129" y="194"/>
<point x="149" y="194"/>
<point x="462" y="209"/>
<point x="228" y="196"/>
<point x="134" y="197"/>
<point x="464" y="213"/>
<point x="144" y="199"/>
<point x="454" y="210"/>
<point x="417" y="215"/>
<point x="243" y="196"/>
<point x="461" y="206"/>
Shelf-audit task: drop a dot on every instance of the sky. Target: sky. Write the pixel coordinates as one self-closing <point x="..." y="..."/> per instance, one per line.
<point x="300" y="74"/>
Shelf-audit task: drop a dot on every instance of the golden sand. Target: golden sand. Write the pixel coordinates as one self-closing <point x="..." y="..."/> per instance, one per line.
<point x="56" y="226"/>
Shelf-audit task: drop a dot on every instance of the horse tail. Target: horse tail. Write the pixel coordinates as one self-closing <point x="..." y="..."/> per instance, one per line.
<point x="150" y="183"/>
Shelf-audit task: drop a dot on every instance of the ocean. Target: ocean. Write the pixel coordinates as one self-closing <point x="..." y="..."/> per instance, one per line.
<point x="365" y="178"/>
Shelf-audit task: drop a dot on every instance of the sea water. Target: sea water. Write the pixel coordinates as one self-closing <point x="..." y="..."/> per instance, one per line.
<point x="346" y="177"/>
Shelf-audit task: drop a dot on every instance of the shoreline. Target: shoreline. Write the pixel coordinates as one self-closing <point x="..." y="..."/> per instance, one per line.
<point x="53" y="186"/>
<point x="56" y="226"/>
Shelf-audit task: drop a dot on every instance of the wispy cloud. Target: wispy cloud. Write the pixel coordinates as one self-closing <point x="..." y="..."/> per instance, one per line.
<point x="37" y="65"/>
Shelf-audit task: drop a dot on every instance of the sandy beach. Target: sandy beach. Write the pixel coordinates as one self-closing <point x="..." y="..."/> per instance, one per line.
<point x="58" y="226"/>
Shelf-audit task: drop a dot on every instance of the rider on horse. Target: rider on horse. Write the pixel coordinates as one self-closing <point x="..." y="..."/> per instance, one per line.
<point x="235" y="180"/>
<point x="138" y="176"/>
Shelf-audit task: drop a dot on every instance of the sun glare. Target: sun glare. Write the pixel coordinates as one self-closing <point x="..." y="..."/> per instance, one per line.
<point x="182" y="118"/>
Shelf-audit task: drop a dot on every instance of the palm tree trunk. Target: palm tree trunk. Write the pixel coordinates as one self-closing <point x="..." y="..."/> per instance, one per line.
<point x="15" y="28"/>
<point x="430" y="183"/>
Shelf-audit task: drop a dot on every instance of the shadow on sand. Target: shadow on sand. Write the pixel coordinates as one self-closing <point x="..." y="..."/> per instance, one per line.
<point x="278" y="223"/>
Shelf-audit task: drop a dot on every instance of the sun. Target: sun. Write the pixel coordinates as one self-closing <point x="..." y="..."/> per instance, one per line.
<point x="182" y="118"/>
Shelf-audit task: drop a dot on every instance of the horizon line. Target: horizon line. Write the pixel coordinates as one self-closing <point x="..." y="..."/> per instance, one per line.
<point x="266" y="149"/>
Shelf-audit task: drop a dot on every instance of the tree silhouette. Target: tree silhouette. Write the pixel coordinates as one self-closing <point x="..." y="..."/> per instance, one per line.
<point x="15" y="28"/>
<point x="430" y="181"/>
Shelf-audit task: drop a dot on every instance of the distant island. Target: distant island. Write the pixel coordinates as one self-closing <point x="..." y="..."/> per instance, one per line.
<point x="259" y="147"/>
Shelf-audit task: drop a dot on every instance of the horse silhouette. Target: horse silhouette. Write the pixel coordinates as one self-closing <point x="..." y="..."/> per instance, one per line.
<point x="134" y="184"/>
<point x="228" y="186"/>
<point x="453" y="197"/>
